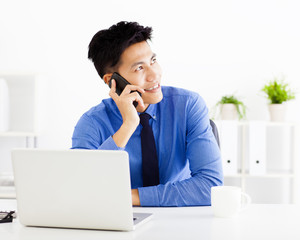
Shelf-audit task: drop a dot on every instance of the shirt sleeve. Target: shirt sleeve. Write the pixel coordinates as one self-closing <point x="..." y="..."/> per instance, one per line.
<point x="87" y="135"/>
<point x="203" y="155"/>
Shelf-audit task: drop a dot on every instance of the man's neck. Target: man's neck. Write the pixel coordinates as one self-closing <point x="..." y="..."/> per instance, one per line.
<point x="142" y="109"/>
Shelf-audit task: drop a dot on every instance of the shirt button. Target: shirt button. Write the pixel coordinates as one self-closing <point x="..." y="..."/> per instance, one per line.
<point x="154" y="116"/>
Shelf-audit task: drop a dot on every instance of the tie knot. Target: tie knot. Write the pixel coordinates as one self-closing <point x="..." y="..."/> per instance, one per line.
<point x="144" y="117"/>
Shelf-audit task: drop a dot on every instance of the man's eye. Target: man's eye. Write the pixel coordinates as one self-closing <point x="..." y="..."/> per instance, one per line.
<point x="153" y="60"/>
<point x="139" y="68"/>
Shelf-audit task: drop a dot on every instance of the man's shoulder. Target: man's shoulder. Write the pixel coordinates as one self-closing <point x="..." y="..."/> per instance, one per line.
<point x="100" y="109"/>
<point x="181" y="98"/>
<point x="174" y="92"/>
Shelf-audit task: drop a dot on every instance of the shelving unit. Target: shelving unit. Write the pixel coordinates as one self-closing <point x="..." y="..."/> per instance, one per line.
<point x="30" y="137"/>
<point x="277" y="182"/>
<point x="22" y="89"/>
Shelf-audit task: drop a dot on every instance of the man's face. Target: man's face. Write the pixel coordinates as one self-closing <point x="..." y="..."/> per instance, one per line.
<point x="138" y="66"/>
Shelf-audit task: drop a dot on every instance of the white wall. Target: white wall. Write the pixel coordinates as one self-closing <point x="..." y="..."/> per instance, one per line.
<point x="212" y="47"/>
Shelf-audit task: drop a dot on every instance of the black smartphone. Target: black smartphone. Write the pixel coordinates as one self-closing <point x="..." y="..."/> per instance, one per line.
<point x="121" y="84"/>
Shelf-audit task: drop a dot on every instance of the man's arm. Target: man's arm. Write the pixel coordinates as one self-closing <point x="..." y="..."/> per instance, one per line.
<point x="129" y="114"/>
<point x="205" y="164"/>
<point x="87" y="133"/>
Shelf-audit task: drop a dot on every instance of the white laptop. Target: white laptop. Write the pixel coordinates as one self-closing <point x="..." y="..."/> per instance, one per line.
<point x="88" y="189"/>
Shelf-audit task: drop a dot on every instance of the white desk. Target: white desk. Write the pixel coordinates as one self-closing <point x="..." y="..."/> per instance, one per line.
<point x="257" y="222"/>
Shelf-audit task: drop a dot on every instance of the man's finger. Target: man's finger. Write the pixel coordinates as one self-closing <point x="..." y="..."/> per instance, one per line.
<point x="112" y="92"/>
<point x="136" y="97"/>
<point x="113" y="84"/>
<point x="129" y="88"/>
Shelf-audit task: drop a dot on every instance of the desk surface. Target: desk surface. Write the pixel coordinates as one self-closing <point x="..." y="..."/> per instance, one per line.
<point x="259" y="221"/>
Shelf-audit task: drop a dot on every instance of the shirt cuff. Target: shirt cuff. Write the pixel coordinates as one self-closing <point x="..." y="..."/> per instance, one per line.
<point x="109" y="144"/>
<point x="149" y="196"/>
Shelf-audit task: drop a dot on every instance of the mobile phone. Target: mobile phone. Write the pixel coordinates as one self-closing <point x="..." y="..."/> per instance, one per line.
<point x="121" y="84"/>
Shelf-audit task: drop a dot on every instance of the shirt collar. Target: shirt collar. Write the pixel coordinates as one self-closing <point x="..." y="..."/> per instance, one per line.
<point x="152" y="111"/>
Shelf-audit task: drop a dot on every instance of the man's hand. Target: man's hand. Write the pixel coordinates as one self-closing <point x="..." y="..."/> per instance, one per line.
<point x="135" y="197"/>
<point x="129" y="114"/>
<point x="125" y="102"/>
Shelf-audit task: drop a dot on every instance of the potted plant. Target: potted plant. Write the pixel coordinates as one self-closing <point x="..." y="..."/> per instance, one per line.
<point x="231" y="108"/>
<point x="278" y="93"/>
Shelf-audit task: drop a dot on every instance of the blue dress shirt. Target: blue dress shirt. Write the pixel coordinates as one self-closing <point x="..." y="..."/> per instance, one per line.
<point x="188" y="154"/>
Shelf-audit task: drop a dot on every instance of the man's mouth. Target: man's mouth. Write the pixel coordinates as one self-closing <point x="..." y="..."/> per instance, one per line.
<point x="152" y="88"/>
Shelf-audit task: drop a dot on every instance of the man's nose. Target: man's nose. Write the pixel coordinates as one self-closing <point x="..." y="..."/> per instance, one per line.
<point x="152" y="74"/>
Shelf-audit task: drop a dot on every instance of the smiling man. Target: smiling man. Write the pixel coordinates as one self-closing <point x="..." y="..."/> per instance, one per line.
<point x="174" y="157"/>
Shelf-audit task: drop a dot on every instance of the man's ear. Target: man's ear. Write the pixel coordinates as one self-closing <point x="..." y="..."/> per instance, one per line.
<point x="107" y="78"/>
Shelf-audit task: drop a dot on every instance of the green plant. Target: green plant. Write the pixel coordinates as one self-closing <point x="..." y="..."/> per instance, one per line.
<point x="278" y="92"/>
<point x="240" y="106"/>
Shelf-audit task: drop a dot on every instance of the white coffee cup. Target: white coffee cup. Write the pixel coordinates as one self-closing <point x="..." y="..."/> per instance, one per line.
<point x="226" y="201"/>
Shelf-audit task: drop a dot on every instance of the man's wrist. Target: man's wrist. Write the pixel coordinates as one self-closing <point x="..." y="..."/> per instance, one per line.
<point x="135" y="197"/>
<point x="122" y="136"/>
<point x="130" y="126"/>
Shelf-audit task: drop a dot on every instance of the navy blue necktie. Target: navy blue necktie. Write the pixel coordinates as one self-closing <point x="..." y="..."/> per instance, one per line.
<point x="149" y="156"/>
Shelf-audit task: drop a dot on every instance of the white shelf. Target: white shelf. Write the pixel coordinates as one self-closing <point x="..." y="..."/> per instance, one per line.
<point x="18" y="134"/>
<point x="275" y="174"/>
<point x="22" y="117"/>
<point x="22" y="94"/>
<point x="7" y="192"/>
<point x="268" y="123"/>
<point x="280" y="160"/>
<point x="233" y="176"/>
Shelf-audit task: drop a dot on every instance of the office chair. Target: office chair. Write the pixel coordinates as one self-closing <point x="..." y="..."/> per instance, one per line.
<point x="215" y="131"/>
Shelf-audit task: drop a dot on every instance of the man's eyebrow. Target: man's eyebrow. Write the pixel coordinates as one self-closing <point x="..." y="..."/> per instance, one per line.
<point x="141" y="62"/>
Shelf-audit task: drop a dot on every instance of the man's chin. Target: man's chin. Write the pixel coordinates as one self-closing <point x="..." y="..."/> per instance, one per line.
<point x="156" y="99"/>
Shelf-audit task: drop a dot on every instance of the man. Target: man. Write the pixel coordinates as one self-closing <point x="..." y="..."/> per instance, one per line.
<point x="188" y="158"/>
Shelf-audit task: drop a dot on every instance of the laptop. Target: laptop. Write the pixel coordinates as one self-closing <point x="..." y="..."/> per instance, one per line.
<point x="87" y="189"/>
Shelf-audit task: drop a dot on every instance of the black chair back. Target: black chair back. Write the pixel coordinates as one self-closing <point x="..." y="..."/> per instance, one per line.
<point x="215" y="131"/>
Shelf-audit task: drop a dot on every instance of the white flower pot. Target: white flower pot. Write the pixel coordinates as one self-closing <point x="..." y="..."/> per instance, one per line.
<point x="4" y="106"/>
<point x="229" y="112"/>
<point x="277" y="112"/>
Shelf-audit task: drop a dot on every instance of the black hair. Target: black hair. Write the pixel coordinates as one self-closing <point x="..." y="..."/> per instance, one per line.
<point x="107" y="46"/>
